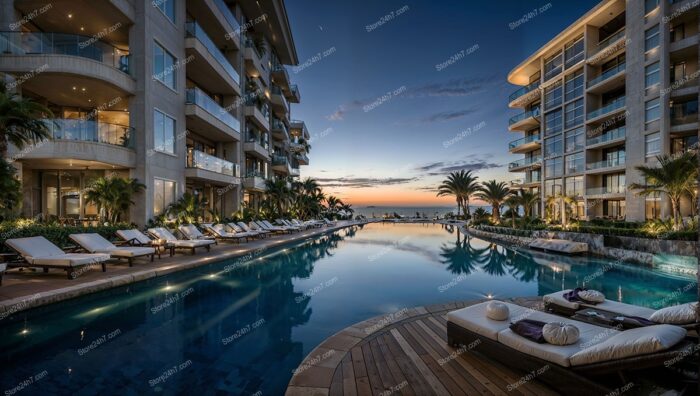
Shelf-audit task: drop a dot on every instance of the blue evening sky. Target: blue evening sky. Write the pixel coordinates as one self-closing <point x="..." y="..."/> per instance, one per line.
<point x="396" y="149"/>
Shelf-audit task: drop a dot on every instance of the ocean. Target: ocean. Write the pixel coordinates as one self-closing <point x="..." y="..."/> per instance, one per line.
<point x="408" y="211"/>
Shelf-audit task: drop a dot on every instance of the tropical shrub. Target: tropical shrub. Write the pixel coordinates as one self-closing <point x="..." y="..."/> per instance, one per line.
<point x="10" y="190"/>
<point x="56" y="233"/>
<point x="113" y="196"/>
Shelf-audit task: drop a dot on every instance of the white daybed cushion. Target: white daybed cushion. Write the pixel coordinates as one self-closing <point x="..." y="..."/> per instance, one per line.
<point x="496" y="310"/>
<point x="558" y="333"/>
<point x="589" y="335"/>
<point x="593" y="296"/>
<point x="70" y="259"/>
<point x="130" y="251"/>
<point x="37" y="246"/>
<point x="93" y="242"/>
<point x="191" y="231"/>
<point x="191" y="244"/>
<point x="633" y="342"/>
<point x="558" y="299"/>
<point x="677" y="314"/>
<point x="474" y="318"/>
<point x="607" y="305"/>
<point x="128" y="235"/>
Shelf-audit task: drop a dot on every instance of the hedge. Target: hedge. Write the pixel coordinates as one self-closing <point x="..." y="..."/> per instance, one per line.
<point x="55" y="233"/>
<point x="608" y="231"/>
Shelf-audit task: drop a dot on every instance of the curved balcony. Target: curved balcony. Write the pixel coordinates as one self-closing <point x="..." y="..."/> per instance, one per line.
<point x="71" y="54"/>
<point x="525" y="95"/>
<point x="209" y="68"/>
<point x="528" y="143"/>
<point x="524" y="121"/>
<point x="84" y="140"/>
<point x="207" y="116"/>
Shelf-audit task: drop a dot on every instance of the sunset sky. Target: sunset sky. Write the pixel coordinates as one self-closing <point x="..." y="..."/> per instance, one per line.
<point x="393" y="107"/>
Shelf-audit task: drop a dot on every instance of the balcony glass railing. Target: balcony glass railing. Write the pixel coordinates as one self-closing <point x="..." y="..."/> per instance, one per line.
<point x="196" y="97"/>
<point x="295" y="90"/>
<point x="255" y="173"/>
<point x="522" y="141"/>
<point x="525" y="162"/>
<point x="91" y="131"/>
<point x="278" y="91"/>
<point x="251" y="44"/>
<point x="614" y="134"/>
<point x="524" y="90"/>
<point x="279" y="126"/>
<point x="609" y="40"/>
<point x="193" y="29"/>
<point x="253" y="137"/>
<point x="528" y="114"/>
<point x="684" y="113"/>
<point x="610" y="107"/>
<point x="278" y="159"/>
<point x="37" y="43"/>
<point x="613" y="71"/>
<point x="608" y="163"/>
<point x="228" y="15"/>
<point x="606" y="190"/>
<point x="200" y="160"/>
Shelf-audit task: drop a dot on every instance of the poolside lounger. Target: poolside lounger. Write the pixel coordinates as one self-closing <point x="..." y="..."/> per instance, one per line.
<point x="246" y="228"/>
<point x="164" y="234"/>
<point x="271" y="228"/>
<point x="191" y="232"/>
<point x="239" y="230"/>
<point x="598" y="351"/>
<point x="96" y="243"/>
<point x="40" y="252"/>
<point x="270" y="225"/>
<point x="220" y="232"/>
<point x="137" y="238"/>
<point x="328" y="222"/>
<point x="558" y="304"/>
<point x="286" y="223"/>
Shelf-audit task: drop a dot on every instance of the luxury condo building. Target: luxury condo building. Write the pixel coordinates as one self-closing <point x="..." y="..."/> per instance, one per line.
<point x="183" y="95"/>
<point x="611" y="92"/>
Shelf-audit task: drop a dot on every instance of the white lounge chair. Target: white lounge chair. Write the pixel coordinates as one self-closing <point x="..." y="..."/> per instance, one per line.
<point x="286" y="223"/>
<point x="164" y="234"/>
<point x="96" y="243"/>
<point x="239" y="230"/>
<point x="246" y="228"/>
<point x="191" y="232"/>
<point x="220" y="232"/>
<point x="137" y="238"/>
<point x="262" y="226"/>
<point x="40" y="252"/>
<point x="271" y="226"/>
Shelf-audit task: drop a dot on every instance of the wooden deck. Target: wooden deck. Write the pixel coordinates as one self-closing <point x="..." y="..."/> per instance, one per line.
<point x="406" y="353"/>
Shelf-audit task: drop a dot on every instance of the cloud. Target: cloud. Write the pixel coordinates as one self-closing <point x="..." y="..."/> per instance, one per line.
<point x="448" y="115"/>
<point x="455" y="87"/>
<point x="339" y="113"/>
<point x="474" y="163"/>
<point x="362" y="182"/>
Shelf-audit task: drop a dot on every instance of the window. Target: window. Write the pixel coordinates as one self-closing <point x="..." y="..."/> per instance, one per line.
<point x="163" y="132"/>
<point x="552" y="66"/>
<point x="574" y="163"/>
<point x="574" y="186"/>
<point x="553" y="146"/>
<point x="573" y="115"/>
<point x="650" y="5"/>
<point x="652" y="111"/>
<point x="163" y="195"/>
<point x="575" y="139"/>
<point x="652" y="144"/>
<point x="573" y="52"/>
<point x="651" y="38"/>
<point x="552" y="122"/>
<point x="574" y="86"/>
<point x="615" y="183"/>
<point x="677" y="32"/>
<point x="552" y="96"/>
<point x="683" y="144"/>
<point x="678" y="71"/>
<point x="651" y="75"/>
<point x="167" y="7"/>
<point x="164" y="66"/>
<point x="553" y="167"/>
<point x="614" y="209"/>
<point x="652" y="206"/>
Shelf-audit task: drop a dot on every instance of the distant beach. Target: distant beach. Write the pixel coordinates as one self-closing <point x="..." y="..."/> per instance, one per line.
<point x="408" y="211"/>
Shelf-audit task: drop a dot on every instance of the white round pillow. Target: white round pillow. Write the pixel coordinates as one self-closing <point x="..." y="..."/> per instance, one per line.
<point x="593" y="296"/>
<point x="557" y="333"/>
<point x="677" y="314"/>
<point x="496" y="310"/>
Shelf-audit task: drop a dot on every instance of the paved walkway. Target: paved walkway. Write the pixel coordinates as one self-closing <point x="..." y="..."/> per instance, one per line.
<point x="26" y="289"/>
<point x="406" y="354"/>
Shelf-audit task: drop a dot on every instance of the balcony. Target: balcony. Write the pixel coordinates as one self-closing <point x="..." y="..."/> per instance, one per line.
<point x="608" y="47"/>
<point x="254" y="61"/>
<point x="525" y="144"/>
<point x="91" y="141"/>
<point x="68" y="56"/>
<point x="684" y="116"/>
<point x="294" y="95"/>
<point x="611" y="164"/>
<point x="281" y="76"/>
<point x="255" y="181"/>
<point x="257" y="145"/>
<point x="524" y="121"/>
<point x="298" y="128"/>
<point x="687" y="45"/>
<point x="278" y="101"/>
<point x="259" y="114"/>
<point x="608" y="80"/>
<point x="526" y="182"/>
<point x="606" y="192"/>
<point x="302" y="158"/>
<point x="612" y="108"/>
<point x="521" y="164"/>
<point x="279" y="129"/>
<point x="608" y="138"/>
<point x="206" y="167"/>
<point x="209" y="67"/>
<point x="525" y="95"/>
<point x="204" y="114"/>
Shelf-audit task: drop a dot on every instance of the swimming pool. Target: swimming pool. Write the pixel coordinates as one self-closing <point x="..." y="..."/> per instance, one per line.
<point x="243" y="326"/>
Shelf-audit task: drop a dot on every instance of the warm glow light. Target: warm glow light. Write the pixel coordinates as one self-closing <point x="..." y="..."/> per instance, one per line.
<point x="25" y="331"/>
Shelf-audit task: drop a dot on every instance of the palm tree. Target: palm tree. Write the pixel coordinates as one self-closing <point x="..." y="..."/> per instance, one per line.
<point x="113" y="196"/>
<point x="675" y="176"/>
<point x="189" y="209"/>
<point x="10" y="190"/>
<point x="528" y="200"/>
<point x="554" y="200"/>
<point x="279" y="194"/>
<point x="21" y="121"/>
<point x="462" y="185"/>
<point x="513" y="201"/>
<point x="494" y="193"/>
<point x="479" y="214"/>
<point x="333" y="203"/>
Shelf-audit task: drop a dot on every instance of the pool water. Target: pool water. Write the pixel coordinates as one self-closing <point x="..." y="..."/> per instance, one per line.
<point x="243" y="326"/>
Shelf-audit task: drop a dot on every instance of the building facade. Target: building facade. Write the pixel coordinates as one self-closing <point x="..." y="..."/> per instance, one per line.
<point x="608" y="94"/>
<point x="183" y="95"/>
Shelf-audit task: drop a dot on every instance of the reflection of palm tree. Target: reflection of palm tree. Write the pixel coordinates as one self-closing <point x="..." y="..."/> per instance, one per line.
<point x="522" y="267"/>
<point x="457" y="257"/>
<point x="496" y="261"/>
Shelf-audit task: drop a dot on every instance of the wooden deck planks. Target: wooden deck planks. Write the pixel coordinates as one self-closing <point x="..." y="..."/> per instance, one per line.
<point x="412" y="358"/>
